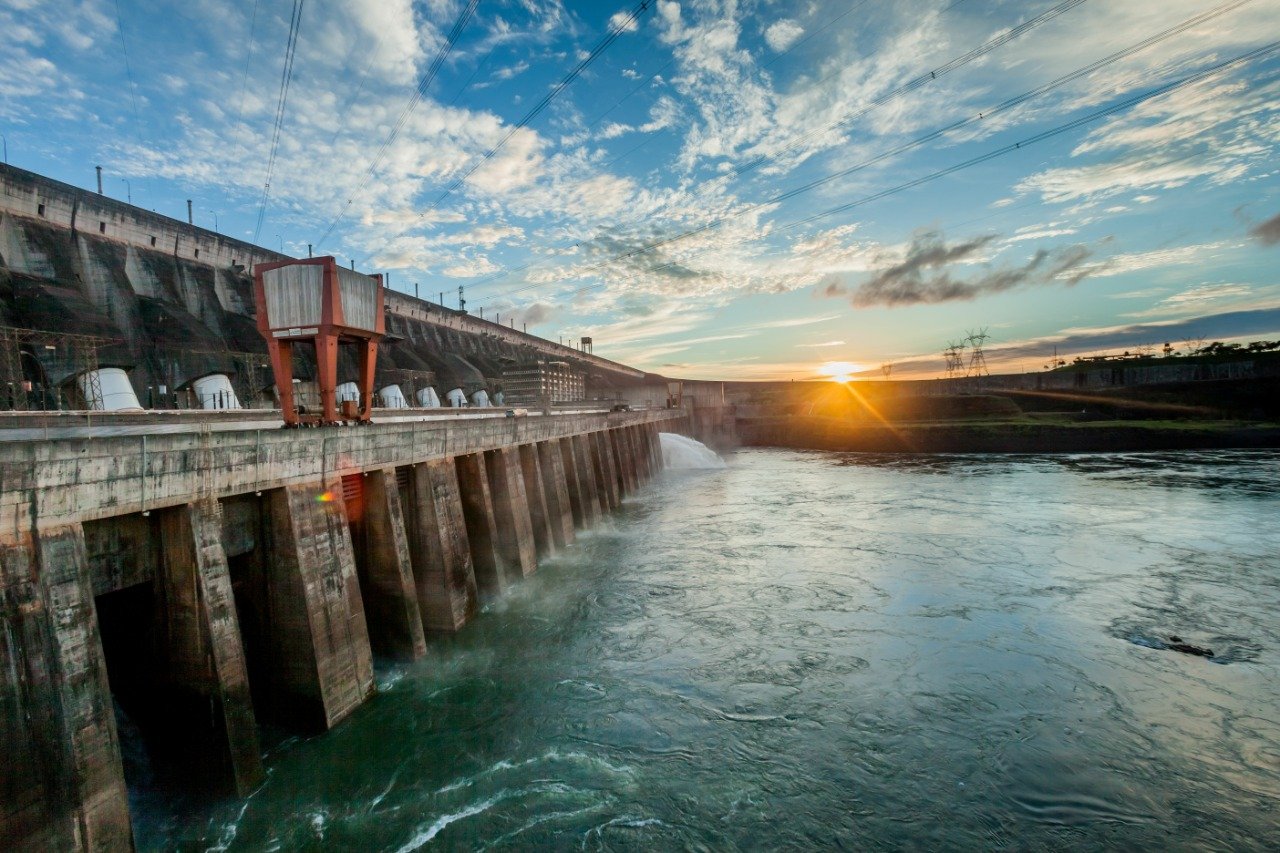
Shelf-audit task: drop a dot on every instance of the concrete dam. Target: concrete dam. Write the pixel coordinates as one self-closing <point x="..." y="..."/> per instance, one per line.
<point x="204" y="571"/>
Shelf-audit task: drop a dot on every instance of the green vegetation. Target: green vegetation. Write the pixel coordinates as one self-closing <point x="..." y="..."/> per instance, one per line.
<point x="1192" y="352"/>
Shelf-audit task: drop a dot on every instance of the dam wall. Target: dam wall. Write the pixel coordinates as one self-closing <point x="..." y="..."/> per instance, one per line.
<point x="192" y="585"/>
<point x="171" y="303"/>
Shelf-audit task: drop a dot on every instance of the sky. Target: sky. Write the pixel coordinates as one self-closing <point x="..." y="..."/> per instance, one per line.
<point x="718" y="189"/>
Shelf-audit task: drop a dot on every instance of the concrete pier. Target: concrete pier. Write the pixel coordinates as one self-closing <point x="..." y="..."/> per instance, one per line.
<point x="62" y="780"/>
<point x="443" y="571"/>
<point x="555" y="482"/>
<point x="384" y="564"/>
<point x="482" y="527"/>
<point x="514" y="532"/>
<point x="322" y="664"/>
<point x="208" y="700"/>
<point x="588" y="490"/>
<point x="606" y="486"/>
<point x="536" y="495"/>
<point x="202" y="583"/>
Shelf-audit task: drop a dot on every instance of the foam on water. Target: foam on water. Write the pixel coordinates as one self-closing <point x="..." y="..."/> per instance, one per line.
<point x="682" y="453"/>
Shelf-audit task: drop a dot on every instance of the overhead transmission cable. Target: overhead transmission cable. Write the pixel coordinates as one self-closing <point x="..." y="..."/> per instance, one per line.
<point x="918" y="141"/>
<point x="128" y="70"/>
<point x="921" y="80"/>
<point x="609" y="38"/>
<point x="354" y="96"/>
<point x="649" y="138"/>
<point x="244" y="78"/>
<point x="798" y="44"/>
<point x="419" y="92"/>
<point x="286" y="77"/>
<point x="954" y="126"/>
<point x="1125" y="104"/>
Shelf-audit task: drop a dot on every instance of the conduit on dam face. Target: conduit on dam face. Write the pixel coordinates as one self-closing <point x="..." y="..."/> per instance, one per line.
<point x="191" y="620"/>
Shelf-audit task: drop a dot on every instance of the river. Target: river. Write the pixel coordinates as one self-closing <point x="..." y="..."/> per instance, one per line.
<point x="811" y="650"/>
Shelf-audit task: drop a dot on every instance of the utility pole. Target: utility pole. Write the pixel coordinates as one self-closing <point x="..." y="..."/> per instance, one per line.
<point x="128" y="188"/>
<point x="462" y="302"/>
<point x="99" y="170"/>
<point x="308" y="250"/>
<point x="191" y="220"/>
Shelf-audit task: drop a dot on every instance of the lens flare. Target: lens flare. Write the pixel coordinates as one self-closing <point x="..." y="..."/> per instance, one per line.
<point x="324" y="497"/>
<point x="840" y="371"/>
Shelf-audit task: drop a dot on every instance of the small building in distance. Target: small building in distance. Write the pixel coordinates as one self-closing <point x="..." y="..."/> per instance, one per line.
<point x="532" y="382"/>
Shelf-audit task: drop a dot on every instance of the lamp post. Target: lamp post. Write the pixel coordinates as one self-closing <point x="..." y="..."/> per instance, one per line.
<point x="128" y="187"/>
<point x="215" y="218"/>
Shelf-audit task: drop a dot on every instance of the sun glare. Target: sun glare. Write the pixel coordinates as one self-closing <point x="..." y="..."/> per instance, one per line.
<point x="839" y="371"/>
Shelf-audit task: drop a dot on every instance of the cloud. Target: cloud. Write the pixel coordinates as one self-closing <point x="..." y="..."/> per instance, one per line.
<point x="793" y="322"/>
<point x="782" y="34"/>
<point x="823" y="344"/>
<point x="921" y="277"/>
<point x="1221" y="326"/>
<point x="1202" y="297"/>
<point x="623" y="21"/>
<point x="532" y="315"/>
<point x="1267" y="233"/>
<point x="471" y="268"/>
<point x="1135" y="261"/>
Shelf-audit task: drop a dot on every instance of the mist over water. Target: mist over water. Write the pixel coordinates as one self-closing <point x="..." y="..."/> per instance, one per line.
<point x="815" y="650"/>
<point x="680" y="453"/>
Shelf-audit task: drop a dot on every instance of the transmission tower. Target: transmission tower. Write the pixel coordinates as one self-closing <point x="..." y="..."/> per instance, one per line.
<point x="977" y="358"/>
<point x="954" y="354"/>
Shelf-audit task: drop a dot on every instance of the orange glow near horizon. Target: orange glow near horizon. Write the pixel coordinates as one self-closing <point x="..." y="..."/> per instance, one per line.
<point x="840" y="371"/>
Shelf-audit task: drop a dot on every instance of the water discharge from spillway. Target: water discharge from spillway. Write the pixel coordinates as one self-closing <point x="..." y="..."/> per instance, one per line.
<point x="821" y="651"/>
<point x="680" y="453"/>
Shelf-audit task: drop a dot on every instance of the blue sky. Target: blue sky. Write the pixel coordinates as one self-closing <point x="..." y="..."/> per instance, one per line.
<point x="1156" y="222"/>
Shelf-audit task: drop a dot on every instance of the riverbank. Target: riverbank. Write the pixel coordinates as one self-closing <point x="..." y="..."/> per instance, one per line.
<point x="1021" y="435"/>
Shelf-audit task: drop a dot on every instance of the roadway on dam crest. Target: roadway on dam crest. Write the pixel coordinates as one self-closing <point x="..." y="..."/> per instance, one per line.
<point x="57" y="426"/>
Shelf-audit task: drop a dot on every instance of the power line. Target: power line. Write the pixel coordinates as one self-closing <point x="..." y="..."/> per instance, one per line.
<point x="244" y="78"/>
<point x="419" y="92"/>
<point x="286" y="77"/>
<point x="921" y="140"/>
<point x="1128" y="103"/>
<point x="922" y="80"/>
<point x="128" y="70"/>
<point x="916" y="83"/>
<point x="364" y="75"/>
<point x="601" y="46"/>
<point x="666" y="64"/>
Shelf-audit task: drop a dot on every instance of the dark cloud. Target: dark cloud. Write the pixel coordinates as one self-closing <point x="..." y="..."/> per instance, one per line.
<point x="1230" y="324"/>
<point x="829" y="287"/>
<point x="1267" y="233"/>
<point x="921" y="278"/>
<point x="538" y="312"/>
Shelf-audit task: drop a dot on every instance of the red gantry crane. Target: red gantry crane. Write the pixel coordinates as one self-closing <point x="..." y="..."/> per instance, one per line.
<point x="318" y="301"/>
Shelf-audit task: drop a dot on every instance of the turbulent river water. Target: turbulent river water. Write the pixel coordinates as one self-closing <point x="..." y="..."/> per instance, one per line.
<point x="829" y="651"/>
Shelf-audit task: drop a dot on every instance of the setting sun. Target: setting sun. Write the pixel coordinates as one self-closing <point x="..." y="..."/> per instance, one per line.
<point x="840" y="371"/>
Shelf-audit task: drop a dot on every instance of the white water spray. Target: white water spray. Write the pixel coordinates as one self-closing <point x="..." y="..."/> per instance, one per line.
<point x="679" y="452"/>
